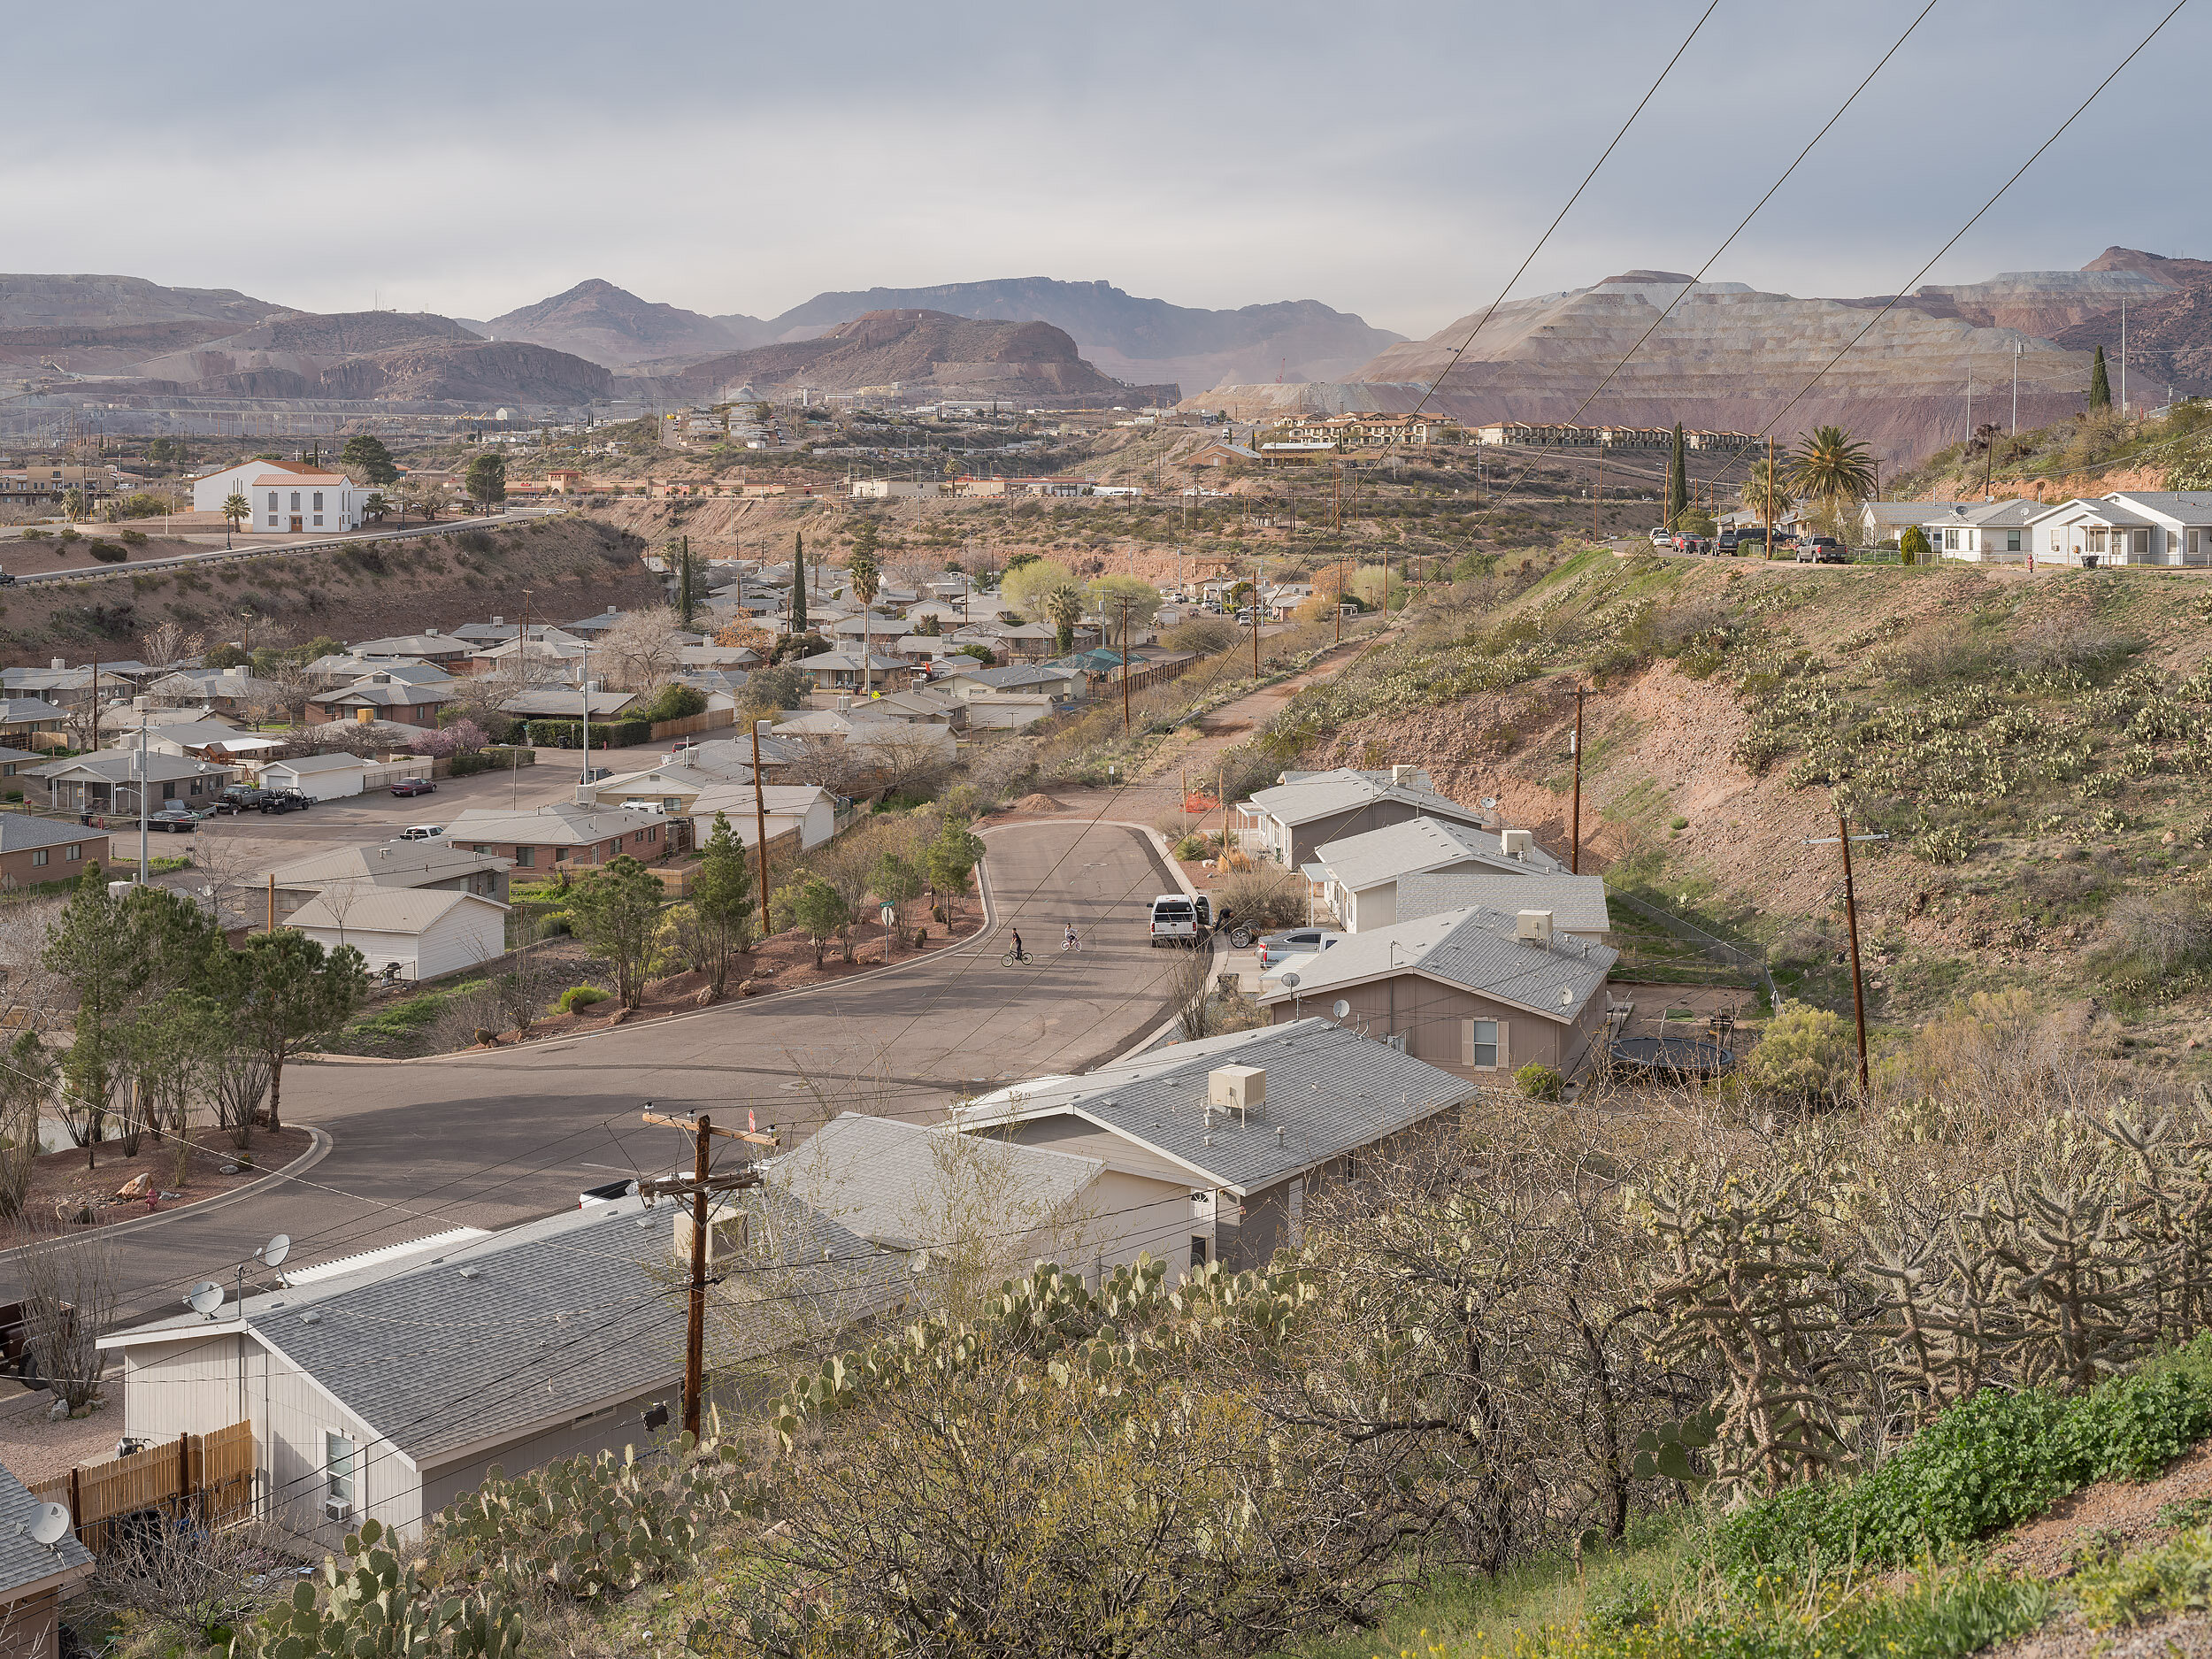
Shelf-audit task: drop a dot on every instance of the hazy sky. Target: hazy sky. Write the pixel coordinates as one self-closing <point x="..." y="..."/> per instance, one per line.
<point x="1395" y="161"/>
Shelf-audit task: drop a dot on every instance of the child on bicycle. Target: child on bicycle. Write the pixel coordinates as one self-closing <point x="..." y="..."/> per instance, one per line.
<point x="1069" y="940"/>
<point x="1020" y="954"/>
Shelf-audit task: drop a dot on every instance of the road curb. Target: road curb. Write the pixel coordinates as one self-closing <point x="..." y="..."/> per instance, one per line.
<point x="319" y="1149"/>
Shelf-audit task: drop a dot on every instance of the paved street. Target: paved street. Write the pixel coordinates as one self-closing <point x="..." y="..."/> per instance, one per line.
<point x="484" y="1140"/>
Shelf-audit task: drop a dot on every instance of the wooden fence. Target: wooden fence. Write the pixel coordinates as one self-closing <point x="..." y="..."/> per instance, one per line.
<point x="691" y="725"/>
<point x="206" y="1477"/>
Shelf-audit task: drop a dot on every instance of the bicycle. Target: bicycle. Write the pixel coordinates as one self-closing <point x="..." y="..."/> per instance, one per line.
<point x="1011" y="956"/>
<point x="1075" y="944"/>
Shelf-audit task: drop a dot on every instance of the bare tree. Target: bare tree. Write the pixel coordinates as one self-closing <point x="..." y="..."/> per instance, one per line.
<point x="26" y="1083"/>
<point x="640" y="652"/>
<point x="69" y="1299"/>
<point x="829" y="763"/>
<point x="168" y="642"/>
<point x="33" y="992"/>
<point x="190" y="1578"/>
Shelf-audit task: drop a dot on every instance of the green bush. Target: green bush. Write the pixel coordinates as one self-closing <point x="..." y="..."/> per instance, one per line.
<point x="131" y="538"/>
<point x="35" y="535"/>
<point x="579" y="997"/>
<point x="1539" y="1082"/>
<point x="604" y="733"/>
<point x="1994" y="1462"/>
<point x="675" y="702"/>
<point x="108" y="553"/>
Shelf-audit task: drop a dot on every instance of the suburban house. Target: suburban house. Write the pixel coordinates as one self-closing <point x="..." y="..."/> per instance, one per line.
<point x="1358" y="876"/>
<point x="560" y="833"/>
<point x="350" y="1426"/>
<point x="566" y="703"/>
<point x="804" y="810"/>
<point x="288" y="498"/>
<point x="543" y="656"/>
<point x="217" y="740"/>
<point x="330" y="777"/>
<point x="431" y="866"/>
<point x="671" y="788"/>
<point x="1293" y="820"/>
<point x="854" y="670"/>
<point x="902" y="1186"/>
<point x="1213" y="1146"/>
<point x="32" y="722"/>
<point x="34" y="1577"/>
<point x="1982" y="532"/>
<point x="919" y="705"/>
<point x="1577" y="903"/>
<point x="1038" y="680"/>
<point x="405" y="933"/>
<point x="1881" y="521"/>
<point x="887" y="740"/>
<point x="1006" y="711"/>
<point x="441" y="650"/>
<point x="381" y="696"/>
<point x="1478" y="993"/>
<point x="2127" y="527"/>
<point x="35" y="849"/>
<point x="11" y="758"/>
<point x="107" y="781"/>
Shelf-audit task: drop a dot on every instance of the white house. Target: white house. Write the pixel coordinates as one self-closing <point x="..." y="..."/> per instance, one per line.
<point x="288" y="498"/>
<point x="426" y="931"/>
<point x="1983" y="532"/>
<point x="1359" y="875"/>
<point x="2127" y="527"/>
<point x="808" y="808"/>
<point x="318" y="777"/>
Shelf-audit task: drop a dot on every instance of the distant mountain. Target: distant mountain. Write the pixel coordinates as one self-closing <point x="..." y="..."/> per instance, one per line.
<point x="1139" y="341"/>
<point x="612" y="326"/>
<point x="2169" y="344"/>
<point x="930" y="352"/>
<point x="121" y="302"/>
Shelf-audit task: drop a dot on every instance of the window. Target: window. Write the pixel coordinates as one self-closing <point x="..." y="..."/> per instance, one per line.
<point x="338" y="1467"/>
<point x="72" y="853"/>
<point x="319" y="501"/>
<point x="2142" y="541"/>
<point x="296" y="501"/>
<point x="525" y="857"/>
<point x="318" y="521"/>
<point x="1479" y="1043"/>
<point x="272" y="500"/>
<point x="1198" y="1249"/>
<point x="2012" y="540"/>
<point x="1950" y="541"/>
<point x="272" y="517"/>
<point x="2094" y="543"/>
<point x="168" y="792"/>
<point x="38" y="855"/>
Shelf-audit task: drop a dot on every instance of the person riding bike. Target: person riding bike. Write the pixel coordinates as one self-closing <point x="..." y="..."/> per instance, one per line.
<point x="1020" y="954"/>
<point x="1070" y="939"/>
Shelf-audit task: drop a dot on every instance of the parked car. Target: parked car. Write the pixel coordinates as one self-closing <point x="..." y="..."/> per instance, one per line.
<point x="284" y="801"/>
<point x="1302" y="941"/>
<point x="6" y="580"/>
<point x="414" y="786"/>
<point x="422" y="833"/>
<point x="239" y="798"/>
<point x="1175" y="921"/>
<point x="1726" y="543"/>
<point x="1823" y="549"/>
<point x="177" y="820"/>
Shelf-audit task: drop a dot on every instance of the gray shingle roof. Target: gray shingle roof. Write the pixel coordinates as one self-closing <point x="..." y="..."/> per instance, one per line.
<point x="393" y="865"/>
<point x="1419" y="844"/>
<point x="117" y="765"/>
<point x="19" y="832"/>
<point x="1325" y="793"/>
<point x="560" y="1314"/>
<point x="1472" y="949"/>
<point x="885" y="1181"/>
<point x="1329" y="1090"/>
<point x="557" y="823"/>
<point x="1577" y="903"/>
<point x="309" y="766"/>
<point x="23" y="1559"/>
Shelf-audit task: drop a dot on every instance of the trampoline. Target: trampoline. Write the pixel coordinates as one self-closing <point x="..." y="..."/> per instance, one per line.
<point x="1671" y="1058"/>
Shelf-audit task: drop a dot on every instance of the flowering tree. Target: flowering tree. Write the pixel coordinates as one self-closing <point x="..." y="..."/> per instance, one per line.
<point x="435" y="744"/>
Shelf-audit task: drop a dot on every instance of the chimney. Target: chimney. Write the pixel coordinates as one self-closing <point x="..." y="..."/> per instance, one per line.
<point x="612" y="611"/>
<point x="498" y="621"/>
<point x="1533" y="927"/>
<point x="58" y="662"/>
<point x="1241" y="1089"/>
<point x="1515" y="843"/>
<point x="1400" y="776"/>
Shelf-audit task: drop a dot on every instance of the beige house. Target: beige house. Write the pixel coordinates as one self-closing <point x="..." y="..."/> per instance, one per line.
<point x="432" y="866"/>
<point x="1306" y="811"/>
<point x="1358" y="877"/>
<point x="1478" y="993"/>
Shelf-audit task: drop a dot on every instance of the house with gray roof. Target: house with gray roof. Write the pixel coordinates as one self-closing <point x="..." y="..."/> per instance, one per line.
<point x="1478" y="992"/>
<point x="415" y="865"/>
<point x="1358" y="876"/>
<point x="34" y="1577"/>
<point x="108" y="781"/>
<point x="24" y="719"/>
<point x="385" y="1387"/>
<point x="2126" y="527"/>
<point x="1293" y="820"/>
<point x="1034" y="680"/>
<point x="1982" y="532"/>
<point x="35" y="849"/>
<point x="1218" y="1143"/>
<point x="1577" y="903"/>
<point x="445" y="650"/>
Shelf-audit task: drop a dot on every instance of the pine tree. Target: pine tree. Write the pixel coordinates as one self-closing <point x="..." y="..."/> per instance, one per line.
<point x="798" y="582"/>
<point x="2100" y="387"/>
<point x="1677" y="482"/>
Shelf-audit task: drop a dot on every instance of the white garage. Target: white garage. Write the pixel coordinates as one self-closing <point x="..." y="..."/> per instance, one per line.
<point x="317" y="777"/>
<point x="426" y="931"/>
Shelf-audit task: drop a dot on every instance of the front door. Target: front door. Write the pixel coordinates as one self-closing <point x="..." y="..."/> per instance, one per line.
<point x="298" y="524"/>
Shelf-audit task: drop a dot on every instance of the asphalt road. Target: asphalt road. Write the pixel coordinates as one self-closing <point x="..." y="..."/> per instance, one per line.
<point x="488" y="1138"/>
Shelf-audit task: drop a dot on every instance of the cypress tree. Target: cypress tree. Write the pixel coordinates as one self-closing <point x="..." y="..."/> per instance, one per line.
<point x="798" y="582"/>
<point x="2100" y="387"/>
<point x="1677" y="482"/>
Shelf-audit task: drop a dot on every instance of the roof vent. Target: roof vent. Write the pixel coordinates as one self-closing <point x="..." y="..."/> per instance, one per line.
<point x="1533" y="927"/>
<point x="1241" y="1089"/>
<point x="1515" y="843"/>
<point x="311" y="1317"/>
<point x="472" y="1273"/>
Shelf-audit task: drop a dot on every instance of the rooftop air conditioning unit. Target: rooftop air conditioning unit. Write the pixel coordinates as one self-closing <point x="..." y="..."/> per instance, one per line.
<point x="1403" y="775"/>
<point x="1515" y="843"/>
<point x="1533" y="927"/>
<point x="1241" y="1089"/>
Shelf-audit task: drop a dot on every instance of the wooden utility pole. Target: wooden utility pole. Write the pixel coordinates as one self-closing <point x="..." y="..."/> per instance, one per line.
<point x="1597" y="492"/>
<point x="760" y="828"/>
<point x="698" y="1188"/>
<point x="1769" y="547"/>
<point x="1844" y="837"/>
<point x="1574" y="856"/>
<point x="1124" y="667"/>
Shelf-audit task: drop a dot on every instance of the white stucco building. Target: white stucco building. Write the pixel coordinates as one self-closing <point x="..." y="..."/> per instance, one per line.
<point x="2127" y="527"/>
<point x="288" y="498"/>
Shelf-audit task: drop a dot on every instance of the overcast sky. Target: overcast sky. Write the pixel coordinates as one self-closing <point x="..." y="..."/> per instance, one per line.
<point x="1394" y="161"/>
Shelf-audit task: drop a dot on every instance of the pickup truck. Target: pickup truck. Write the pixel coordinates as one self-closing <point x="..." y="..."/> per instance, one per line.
<point x="1179" y="919"/>
<point x="1823" y="549"/>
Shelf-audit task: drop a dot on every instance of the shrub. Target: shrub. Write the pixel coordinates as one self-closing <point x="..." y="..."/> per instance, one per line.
<point x="1806" y="1054"/>
<point x="108" y="553"/>
<point x="1266" y="896"/>
<point x="1539" y="1082"/>
<point x="131" y="538"/>
<point x="578" y="997"/>
<point x="35" y="535"/>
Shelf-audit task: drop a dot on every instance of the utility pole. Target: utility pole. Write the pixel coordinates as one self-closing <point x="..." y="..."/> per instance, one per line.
<point x="2015" y="389"/>
<point x="1574" y="856"/>
<point x="1124" y="667"/>
<point x="142" y="780"/>
<point x="2123" y="354"/>
<point x="1844" y="837"/>
<point x="1597" y="492"/>
<point x="697" y="1189"/>
<point x="1769" y="544"/>
<point x="760" y="827"/>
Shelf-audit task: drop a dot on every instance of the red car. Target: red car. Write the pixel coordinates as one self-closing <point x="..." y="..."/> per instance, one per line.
<point x="414" y="786"/>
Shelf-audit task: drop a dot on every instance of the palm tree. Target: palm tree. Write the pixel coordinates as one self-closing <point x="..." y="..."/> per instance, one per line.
<point x="1755" y="492"/>
<point x="235" y="507"/>
<point x="1064" y="606"/>
<point x="1831" y="465"/>
<point x="864" y="577"/>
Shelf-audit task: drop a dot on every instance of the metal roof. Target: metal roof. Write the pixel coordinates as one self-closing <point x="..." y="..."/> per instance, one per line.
<point x="1577" y="903"/>
<point x="891" y="1182"/>
<point x="555" y="1316"/>
<point x="311" y="764"/>
<point x="1474" y="949"/>
<point x="1330" y="1091"/>
<point x="1417" y="845"/>
<point x="1325" y="793"/>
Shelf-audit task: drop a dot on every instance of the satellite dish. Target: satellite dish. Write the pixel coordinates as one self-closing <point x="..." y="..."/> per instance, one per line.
<point x="1340" y="1008"/>
<point x="276" y="1248"/>
<point x="206" y="1296"/>
<point x="1290" y="982"/>
<point x="52" y="1525"/>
